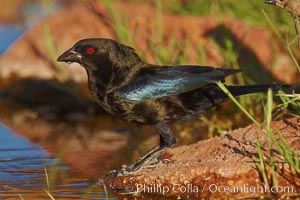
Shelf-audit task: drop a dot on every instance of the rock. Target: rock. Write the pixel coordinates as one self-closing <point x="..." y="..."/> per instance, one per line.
<point x="229" y="161"/>
<point x="30" y="57"/>
<point x="258" y="48"/>
<point x="10" y="10"/>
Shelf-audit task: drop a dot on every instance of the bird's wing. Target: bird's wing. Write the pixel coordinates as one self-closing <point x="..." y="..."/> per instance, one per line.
<point x="156" y="82"/>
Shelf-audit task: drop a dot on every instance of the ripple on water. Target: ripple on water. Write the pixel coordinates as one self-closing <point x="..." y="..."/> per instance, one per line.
<point x="22" y="172"/>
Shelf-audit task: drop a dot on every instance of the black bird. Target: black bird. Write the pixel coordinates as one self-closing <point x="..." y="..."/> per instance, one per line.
<point x="127" y="87"/>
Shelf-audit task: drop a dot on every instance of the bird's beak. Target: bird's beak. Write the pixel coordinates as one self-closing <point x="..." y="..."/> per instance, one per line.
<point x="70" y="56"/>
<point x="273" y="2"/>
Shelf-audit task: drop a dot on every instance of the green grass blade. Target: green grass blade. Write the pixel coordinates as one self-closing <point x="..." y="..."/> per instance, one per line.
<point x="226" y="91"/>
<point x="269" y="109"/>
<point x="47" y="180"/>
<point x="49" y="195"/>
<point x="262" y="164"/>
<point x="21" y="197"/>
<point x="62" y="72"/>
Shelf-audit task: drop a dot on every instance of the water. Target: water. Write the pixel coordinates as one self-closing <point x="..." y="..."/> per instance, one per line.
<point x="33" y="11"/>
<point x="8" y="34"/>
<point x="19" y="156"/>
<point x="27" y="169"/>
<point x="23" y="169"/>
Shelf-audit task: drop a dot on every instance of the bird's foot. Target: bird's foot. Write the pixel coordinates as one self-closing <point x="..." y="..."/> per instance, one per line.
<point x="150" y="160"/>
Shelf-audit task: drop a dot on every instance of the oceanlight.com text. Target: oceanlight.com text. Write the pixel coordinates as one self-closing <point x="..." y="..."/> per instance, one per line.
<point x="212" y="188"/>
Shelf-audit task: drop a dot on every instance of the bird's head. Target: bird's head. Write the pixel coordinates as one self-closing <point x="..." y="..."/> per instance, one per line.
<point x="88" y="52"/>
<point x="109" y="61"/>
<point x="95" y="53"/>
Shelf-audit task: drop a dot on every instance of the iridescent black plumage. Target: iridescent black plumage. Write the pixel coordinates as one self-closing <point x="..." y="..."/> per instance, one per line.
<point x="131" y="89"/>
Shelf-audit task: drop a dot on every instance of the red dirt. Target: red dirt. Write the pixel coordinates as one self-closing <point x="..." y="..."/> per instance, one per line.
<point x="227" y="161"/>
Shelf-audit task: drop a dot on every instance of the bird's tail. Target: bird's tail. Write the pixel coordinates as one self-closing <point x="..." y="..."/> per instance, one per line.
<point x="248" y="89"/>
<point x="215" y="95"/>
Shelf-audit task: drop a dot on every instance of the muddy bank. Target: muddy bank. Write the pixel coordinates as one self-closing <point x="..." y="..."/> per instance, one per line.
<point x="232" y="161"/>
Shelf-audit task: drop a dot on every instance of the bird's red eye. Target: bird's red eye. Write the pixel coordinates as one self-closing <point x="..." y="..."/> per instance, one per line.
<point x="90" y="50"/>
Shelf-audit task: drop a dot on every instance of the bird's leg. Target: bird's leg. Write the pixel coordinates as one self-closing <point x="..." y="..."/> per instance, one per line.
<point x="151" y="158"/>
<point x="167" y="138"/>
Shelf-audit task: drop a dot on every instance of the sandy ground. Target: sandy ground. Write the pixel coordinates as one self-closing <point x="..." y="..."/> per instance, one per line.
<point x="206" y="168"/>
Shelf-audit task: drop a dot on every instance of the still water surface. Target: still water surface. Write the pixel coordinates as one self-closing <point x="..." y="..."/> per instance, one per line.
<point x="23" y="167"/>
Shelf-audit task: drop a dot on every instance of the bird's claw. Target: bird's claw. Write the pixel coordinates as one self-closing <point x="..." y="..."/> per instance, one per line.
<point x="273" y="2"/>
<point x="166" y="160"/>
<point x="143" y="163"/>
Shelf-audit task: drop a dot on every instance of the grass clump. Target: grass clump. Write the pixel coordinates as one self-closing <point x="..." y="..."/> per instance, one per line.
<point x="247" y="11"/>
<point x="281" y="146"/>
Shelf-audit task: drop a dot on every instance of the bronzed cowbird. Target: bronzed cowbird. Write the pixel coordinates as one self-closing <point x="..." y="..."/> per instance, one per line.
<point x="128" y="88"/>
